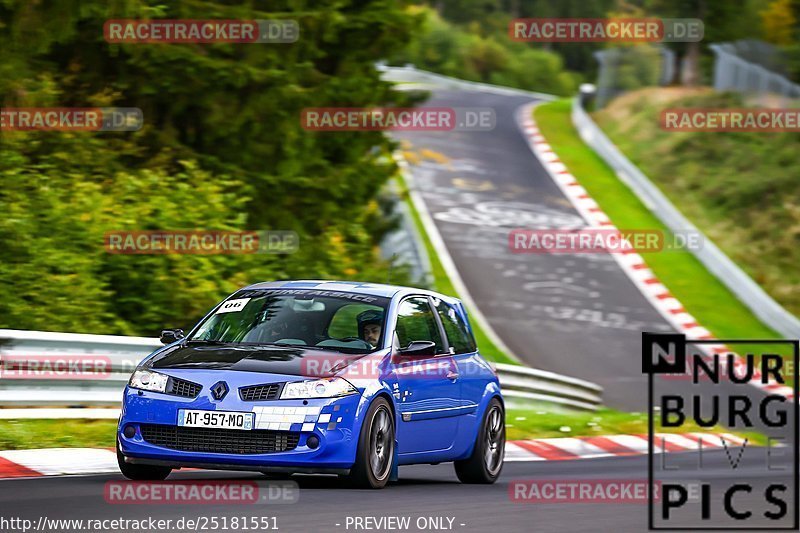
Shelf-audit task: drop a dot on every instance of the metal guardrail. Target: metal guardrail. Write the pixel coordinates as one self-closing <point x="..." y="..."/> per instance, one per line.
<point x="737" y="68"/>
<point x="719" y="264"/>
<point x="522" y="385"/>
<point x="113" y="358"/>
<point x="110" y="360"/>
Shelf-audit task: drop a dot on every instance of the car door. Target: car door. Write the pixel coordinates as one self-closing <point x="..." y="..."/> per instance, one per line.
<point x="473" y="372"/>
<point x="428" y="388"/>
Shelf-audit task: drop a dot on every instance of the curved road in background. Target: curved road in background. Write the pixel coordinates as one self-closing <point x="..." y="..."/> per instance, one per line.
<point x="577" y="314"/>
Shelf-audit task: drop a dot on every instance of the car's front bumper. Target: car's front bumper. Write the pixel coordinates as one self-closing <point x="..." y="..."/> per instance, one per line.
<point x="335" y="422"/>
<point x="292" y="469"/>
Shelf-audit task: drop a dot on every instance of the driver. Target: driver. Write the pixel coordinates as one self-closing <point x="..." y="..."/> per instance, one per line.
<point x="370" y="324"/>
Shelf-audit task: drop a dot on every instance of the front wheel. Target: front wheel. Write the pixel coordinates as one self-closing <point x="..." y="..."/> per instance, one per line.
<point x="375" y="451"/>
<point x="141" y="472"/>
<point x="486" y="461"/>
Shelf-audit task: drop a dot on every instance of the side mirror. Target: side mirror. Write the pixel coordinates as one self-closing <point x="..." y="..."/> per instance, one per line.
<point x="417" y="348"/>
<point x="168" y="336"/>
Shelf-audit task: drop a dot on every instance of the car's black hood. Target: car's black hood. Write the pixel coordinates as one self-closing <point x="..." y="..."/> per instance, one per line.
<point x="295" y="361"/>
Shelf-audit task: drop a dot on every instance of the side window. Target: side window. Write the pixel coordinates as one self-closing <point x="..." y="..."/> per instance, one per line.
<point x="345" y="322"/>
<point x="415" y="322"/>
<point x="458" y="335"/>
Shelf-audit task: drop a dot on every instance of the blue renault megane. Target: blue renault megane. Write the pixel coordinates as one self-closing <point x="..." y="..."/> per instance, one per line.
<point x="289" y="377"/>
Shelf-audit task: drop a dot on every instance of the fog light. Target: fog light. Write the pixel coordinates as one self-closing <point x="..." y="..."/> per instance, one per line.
<point x="312" y="441"/>
<point x="129" y="431"/>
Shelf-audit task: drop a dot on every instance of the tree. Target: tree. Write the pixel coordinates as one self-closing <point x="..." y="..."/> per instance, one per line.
<point x="222" y="148"/>
<point x="779" y="22"/>
<point x="724" y="20"/>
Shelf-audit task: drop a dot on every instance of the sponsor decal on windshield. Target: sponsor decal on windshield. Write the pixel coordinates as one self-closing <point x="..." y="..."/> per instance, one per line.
<point x="233" y="306"/>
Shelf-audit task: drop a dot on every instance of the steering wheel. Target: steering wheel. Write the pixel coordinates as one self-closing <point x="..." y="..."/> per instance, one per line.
<point x="352" y="339"/>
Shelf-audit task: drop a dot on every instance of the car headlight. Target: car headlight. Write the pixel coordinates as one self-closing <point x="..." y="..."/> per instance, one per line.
<point x="318" y="388"/>
<point x="148" y="380"/>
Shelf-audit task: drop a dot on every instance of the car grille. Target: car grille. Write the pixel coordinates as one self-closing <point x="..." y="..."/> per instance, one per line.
<point x="216" y="440"/>
<point x="181" y="387"/>
<point x="260" y="392"/>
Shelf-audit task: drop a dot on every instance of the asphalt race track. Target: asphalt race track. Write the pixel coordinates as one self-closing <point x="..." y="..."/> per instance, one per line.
<point x="577" y="315"/>
<point x="423" y="491"/>
<point x="574" y="314"/>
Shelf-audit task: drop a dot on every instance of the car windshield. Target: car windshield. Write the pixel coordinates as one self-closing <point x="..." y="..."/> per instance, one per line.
<point x="326" y="320"/>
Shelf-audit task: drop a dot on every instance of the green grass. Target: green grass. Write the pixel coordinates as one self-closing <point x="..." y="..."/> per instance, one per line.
<point x="443" y="285"/>
<point x="27" y="434"/>
<point x="703" y="296"/>
<point x="524" y="424"/>
<point x="740" y="188"/>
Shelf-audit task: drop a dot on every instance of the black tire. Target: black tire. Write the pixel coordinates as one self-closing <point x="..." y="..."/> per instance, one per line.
<point x="486" y="462"/>
<point x="375" y="451"/>
<point x="141" y="472"/>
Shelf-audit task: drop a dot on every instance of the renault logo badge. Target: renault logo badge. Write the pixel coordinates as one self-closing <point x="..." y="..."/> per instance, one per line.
<point x="219" y="390"/>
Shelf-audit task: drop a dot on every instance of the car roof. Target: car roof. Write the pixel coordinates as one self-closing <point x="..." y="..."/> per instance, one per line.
<point x="370" y="289"/>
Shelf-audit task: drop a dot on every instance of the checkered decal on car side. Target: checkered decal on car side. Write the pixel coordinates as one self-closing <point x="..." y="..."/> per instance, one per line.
<point x="286" y="418"/>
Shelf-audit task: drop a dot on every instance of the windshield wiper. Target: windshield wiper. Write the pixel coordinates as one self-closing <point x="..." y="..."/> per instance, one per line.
<point x="205" y="341"/>
<point x="251" y="345"/>
<point x="302" y="347"/>
<point x="281" y="345"/>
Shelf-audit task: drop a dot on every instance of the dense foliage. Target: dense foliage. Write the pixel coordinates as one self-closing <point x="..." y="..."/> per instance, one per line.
<point x="469" y="39"/>
<point x="477" y="53"/>
<point x="222" y="149"/>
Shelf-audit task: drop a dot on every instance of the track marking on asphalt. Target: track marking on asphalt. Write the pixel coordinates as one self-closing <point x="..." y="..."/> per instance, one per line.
<point x="446" y="260"/>
<point x="472" y="185"/>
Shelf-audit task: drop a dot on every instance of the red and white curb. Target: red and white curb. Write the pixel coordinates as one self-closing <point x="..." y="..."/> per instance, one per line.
<point x="563" y="449"/>
<point x="57" y="462"/>
<point x="85" y="461"/>
<point x="631" y="262"/>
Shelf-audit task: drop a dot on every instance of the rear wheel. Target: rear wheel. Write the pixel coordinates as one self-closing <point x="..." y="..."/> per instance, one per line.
<point x="375" y="451"/>
<point x="141" y="472"/>
<point x="486" y="461"/>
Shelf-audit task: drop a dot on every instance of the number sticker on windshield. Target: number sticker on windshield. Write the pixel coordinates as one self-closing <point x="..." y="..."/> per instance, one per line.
<point x="232" y="306"/>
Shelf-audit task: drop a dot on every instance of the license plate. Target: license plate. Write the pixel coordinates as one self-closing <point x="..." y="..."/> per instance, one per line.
<point x="215" y="419"/>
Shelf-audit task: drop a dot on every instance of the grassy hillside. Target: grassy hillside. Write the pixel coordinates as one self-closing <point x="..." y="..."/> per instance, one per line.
<point x="741" y="189"/>
<point x="703" y="295"/>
